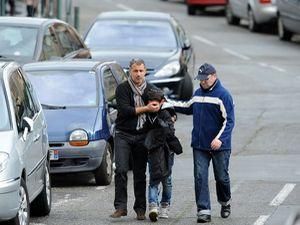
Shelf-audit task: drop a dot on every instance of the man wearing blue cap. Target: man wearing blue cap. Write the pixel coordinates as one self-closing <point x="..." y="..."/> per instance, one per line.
<point x="213" y="121"/>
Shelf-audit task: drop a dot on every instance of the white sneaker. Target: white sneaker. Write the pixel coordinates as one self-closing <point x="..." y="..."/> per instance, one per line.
<point x="153" y="212"/>
<point x="164" y="211"/>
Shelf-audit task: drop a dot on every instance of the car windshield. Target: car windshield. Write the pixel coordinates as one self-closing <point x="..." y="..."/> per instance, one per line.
<point x="16" y="41"/>
<point x="131" y="34"/>
<point x="4" y="116"/>
<point x="62" y="89"/>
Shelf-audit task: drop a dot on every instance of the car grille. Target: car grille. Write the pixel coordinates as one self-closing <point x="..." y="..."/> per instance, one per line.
<point x="69" y="162"/>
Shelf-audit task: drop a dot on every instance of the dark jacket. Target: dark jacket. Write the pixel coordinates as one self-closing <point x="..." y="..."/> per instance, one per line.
<point x="160" y="142"/>
<point x="127" y="119"/>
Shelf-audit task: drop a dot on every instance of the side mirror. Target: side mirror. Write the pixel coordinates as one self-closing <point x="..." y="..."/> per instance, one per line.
<point x="27" y="125"/>
<point x="186" y="44"/>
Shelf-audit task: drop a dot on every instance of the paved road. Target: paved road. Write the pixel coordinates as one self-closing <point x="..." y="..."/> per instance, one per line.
<point x="263" y="75"/>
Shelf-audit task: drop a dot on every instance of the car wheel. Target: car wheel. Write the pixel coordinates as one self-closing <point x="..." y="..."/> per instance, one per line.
<point x="253" y="26"/>
<point x="103" y="174"/>
<point x="23" y="215"/>
<point x="191" y="10"/>
<point x="283" y="34"/>
<point x="41" y="206"/>
<point x="231" y="19"/>
<point x="187" y="88"/>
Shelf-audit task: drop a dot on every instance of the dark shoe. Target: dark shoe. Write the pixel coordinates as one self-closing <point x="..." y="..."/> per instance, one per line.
<point x="225" y="211"/>
<point x="203" y="218"/>
<point x="118" y="213"/>
<point x="140" y="216"/>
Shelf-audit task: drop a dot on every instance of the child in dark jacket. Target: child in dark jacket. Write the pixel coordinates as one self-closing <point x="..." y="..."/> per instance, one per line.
<point x="161" y="143"/>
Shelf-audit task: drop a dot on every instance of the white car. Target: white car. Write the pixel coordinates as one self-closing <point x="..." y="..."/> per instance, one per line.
<point x="257" y="12"/>
<point x="24" y="151"/>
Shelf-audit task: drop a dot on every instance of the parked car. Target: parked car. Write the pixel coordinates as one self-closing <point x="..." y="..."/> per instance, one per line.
<point x="77" y="98"/>
<point x="194" y="5"/>
<point x="155" y="37"/>
<point x="257" y="12"/>
<point x="25" y="185"/>
<point x="27" y="39"/>
<point x="288" y="18"/>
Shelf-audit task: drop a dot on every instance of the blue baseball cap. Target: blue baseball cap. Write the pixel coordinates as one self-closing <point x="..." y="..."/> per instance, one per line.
<point x="204" y="71"/>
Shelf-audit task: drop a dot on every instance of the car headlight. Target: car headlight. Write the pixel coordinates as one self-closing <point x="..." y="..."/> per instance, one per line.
<point x="168" y="70"/>
<point x="79" y="138"/>
<point x="3" y="160"/>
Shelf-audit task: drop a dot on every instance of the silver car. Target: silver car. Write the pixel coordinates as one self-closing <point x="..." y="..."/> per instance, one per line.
<point x="24" y="156"/>
<point x="288" y="18"/>
<point x="257" y="12"/>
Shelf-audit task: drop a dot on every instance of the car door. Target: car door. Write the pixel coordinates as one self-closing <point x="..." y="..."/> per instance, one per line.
<point x="109" y="85"/>
<point x="292" y="14"/>
<point x="24" y="107"/>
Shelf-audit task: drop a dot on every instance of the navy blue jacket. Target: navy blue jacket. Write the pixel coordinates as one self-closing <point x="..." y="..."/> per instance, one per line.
<point x="213" y="116"/>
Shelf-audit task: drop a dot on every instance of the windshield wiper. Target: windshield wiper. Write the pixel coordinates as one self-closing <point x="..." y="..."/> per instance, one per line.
<point x="45" y="106"/>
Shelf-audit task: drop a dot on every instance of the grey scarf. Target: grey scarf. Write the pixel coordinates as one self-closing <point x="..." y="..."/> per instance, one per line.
<point x="138" y="101"/>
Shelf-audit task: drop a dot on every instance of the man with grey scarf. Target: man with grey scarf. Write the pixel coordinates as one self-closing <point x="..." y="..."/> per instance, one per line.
<point x="131" y="130"/>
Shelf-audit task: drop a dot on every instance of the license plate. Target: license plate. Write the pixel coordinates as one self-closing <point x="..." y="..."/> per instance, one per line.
<point x="54" y="155"/>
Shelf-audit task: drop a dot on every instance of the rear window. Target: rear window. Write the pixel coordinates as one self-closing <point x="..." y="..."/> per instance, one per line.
<point x="17" y="41"/>
<point x="65" y="88"/>
<point x="131" y="34"/>
<point x="4" y="116"/>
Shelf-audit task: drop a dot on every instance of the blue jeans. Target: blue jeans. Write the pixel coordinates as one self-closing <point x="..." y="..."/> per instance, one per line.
<point x="220" y="161"/>
<point x="154" y="192"/>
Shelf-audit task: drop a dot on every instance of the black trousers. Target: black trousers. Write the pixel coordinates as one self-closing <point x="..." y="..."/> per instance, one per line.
<point x="126" y="145"/>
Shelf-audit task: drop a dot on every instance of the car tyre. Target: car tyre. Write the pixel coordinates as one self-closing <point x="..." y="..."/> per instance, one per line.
<point x="283" y="33"/>
<point x="253" y="25"/>
<point x="41" y="206"/>
<point x="191" y="10"/>
<point x="231" y="19"/>
<point x="187" y="88"/>
<point x="23" y="215"/>
<point x="103" y="174"/>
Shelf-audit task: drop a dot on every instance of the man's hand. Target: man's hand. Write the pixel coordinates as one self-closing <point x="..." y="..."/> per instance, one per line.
<point x="153" y="106"/>
<point x="216" y="144"/>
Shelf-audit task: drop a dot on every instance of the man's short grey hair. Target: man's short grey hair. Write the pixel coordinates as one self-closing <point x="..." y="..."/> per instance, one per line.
<point x="136" y="61"/>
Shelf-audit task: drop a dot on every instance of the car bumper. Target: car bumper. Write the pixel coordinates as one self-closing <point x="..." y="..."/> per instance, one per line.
<point x="265" y="14"/>
<point x="9" y="200"/>
<point x="206" y="2"/>
<point x="77" y="159"/>
<point x="170" y="86"/>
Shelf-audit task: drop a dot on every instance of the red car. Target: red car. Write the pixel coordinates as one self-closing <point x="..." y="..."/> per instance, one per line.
<point x="193" y="5"/>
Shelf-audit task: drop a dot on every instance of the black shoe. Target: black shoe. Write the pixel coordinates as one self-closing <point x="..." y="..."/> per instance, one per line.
<point x="203" y="218"/>
<point x="225" y="211"/>
<point x="140" y="215"/>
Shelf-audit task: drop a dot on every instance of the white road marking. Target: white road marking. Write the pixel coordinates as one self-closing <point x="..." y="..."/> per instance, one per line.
<point x="261" y="220"/>
<point x="272" y="67"/>
<point x="204" y="40"/>
<point x="278" y="69"/>
<point x="66" y="200"/>
<point x="101" y="187"/>
<point x="281" y="196"/>
<point x="37" y="224"/>
<point x="236" y="54"/>
<point x="124" y="7"/>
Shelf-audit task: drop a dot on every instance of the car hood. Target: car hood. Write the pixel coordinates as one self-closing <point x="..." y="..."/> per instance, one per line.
<point x="153" y="59"/>
<point x="62" y="122"/>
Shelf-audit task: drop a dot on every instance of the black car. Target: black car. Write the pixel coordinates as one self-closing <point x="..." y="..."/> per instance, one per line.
<point x="155" y="37"/>
<point x="38" y="39"/>
<point x="288" y="17"/>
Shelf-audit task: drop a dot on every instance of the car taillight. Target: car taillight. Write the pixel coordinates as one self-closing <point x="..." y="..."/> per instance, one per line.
<point x="265" y="1"/>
